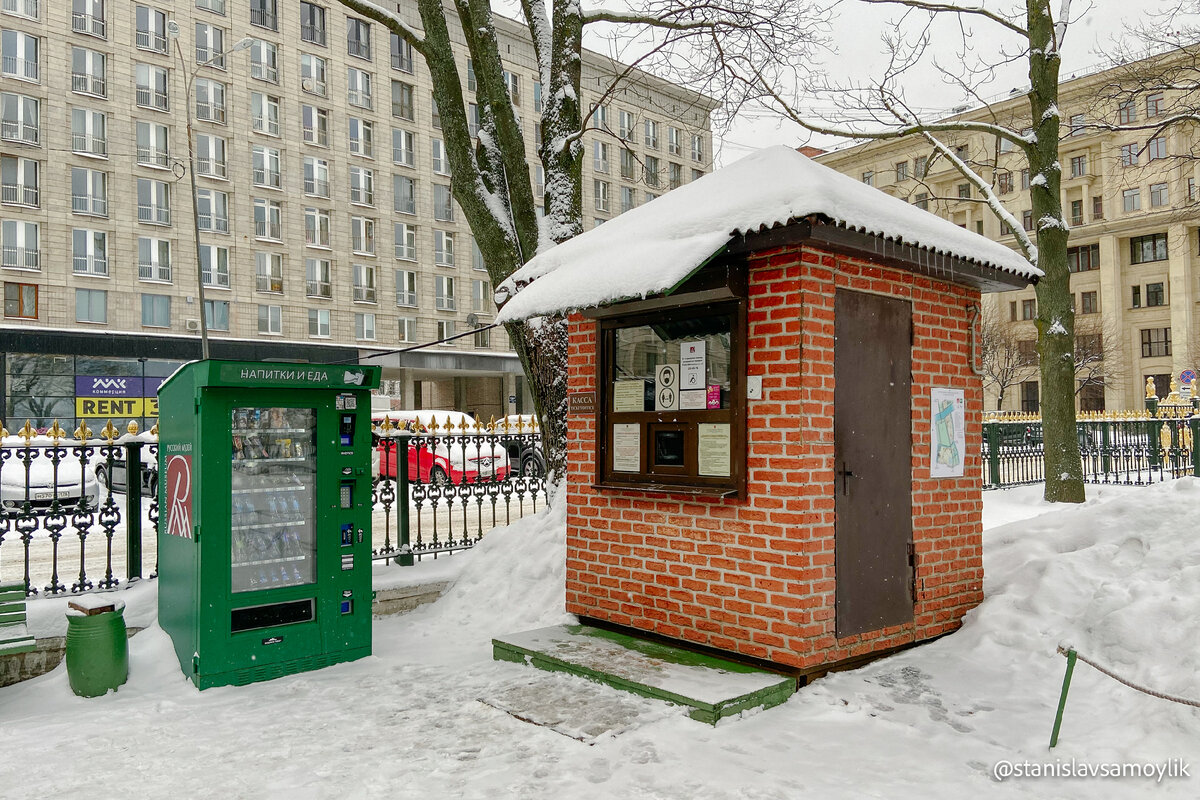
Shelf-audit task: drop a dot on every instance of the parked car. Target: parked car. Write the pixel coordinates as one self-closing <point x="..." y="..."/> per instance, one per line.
<point x="73" y="481"/>
<point x="524" y="452"/>
<point x="118" y="480"/>
<point x="452" y="462"/>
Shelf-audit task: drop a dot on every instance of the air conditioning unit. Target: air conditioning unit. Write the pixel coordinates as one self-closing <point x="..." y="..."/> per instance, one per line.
<point x="307" y="84"/>
<point x="192" y="324"/>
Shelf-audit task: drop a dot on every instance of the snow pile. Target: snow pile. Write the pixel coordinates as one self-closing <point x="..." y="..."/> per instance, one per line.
<point x="652" y="248"/>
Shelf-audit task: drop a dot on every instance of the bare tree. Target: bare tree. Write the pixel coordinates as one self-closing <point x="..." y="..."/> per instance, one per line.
<point x="688" y="43"/>
<point x="1032" y="33"/>
<point x="1098" y="361"/>
<point x="1004" y="361"/>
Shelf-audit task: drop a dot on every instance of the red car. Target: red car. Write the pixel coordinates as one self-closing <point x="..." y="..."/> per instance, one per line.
<point x="453" y="461"/>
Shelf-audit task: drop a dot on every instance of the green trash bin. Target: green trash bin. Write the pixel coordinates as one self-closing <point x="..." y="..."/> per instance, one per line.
<point x="97" y="646"/>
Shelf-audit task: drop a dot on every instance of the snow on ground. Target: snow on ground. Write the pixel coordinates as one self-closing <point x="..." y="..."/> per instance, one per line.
<point x="1119" y="577"/>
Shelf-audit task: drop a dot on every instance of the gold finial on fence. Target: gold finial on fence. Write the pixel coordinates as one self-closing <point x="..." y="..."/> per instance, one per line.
<point x="132" y="427"/>
<point x="28" y="432"/>
<point x="1164" y="436"/>
<point x="83" y="432"/>
<point x="56" y="432"/>
<point x="491" y="425"/>
<point x="1173" y="397"/>
<point x="386" y="426"/>
<point x="110" y="433"/>
<point x="3" y="432"/>
<point x="533" y="423"/>
<point x="1150" y="390"/>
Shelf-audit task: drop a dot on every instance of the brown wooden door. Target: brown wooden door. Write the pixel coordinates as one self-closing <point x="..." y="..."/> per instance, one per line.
<point x="872" y="448"/>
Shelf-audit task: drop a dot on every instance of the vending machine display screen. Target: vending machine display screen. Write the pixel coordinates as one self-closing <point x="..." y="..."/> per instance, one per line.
<point x="273" y="488"/>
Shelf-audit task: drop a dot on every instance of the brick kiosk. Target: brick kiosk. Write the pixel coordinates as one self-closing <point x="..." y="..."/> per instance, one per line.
<point x="818" y="497"/>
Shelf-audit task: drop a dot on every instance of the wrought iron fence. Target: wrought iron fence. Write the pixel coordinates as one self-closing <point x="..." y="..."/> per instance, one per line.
<point x="67" y="499"/>
<point x="1133" y="448"/>
<point x="460" y="481"/>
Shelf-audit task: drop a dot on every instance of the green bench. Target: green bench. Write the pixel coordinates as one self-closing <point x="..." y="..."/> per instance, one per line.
<point x="14" y="633"/>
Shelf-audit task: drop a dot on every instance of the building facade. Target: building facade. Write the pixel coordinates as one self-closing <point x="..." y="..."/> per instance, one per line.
<point x="327" y="231"/>
<point x="1129" y="198"/>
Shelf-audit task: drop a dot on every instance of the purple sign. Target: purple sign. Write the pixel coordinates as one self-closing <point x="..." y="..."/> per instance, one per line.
<point x="108" y="386"/>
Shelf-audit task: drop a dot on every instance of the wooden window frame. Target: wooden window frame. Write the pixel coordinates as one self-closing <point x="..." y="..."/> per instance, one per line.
<point x="684" y="479"/>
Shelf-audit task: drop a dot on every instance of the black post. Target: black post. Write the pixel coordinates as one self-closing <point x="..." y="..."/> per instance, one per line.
<point x="133" y="510"/>
<point x="405" y="559"/>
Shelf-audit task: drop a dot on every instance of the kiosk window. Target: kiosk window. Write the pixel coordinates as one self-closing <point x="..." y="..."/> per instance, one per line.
<point x="672" y="410"/>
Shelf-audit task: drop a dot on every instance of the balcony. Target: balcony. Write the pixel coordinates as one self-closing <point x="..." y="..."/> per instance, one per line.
<point x="270" y="284"/>
<point x="213" y="223"/>
<point x="266" y="125"/>
<point x="402" y="62"/>
<point x="13" y="257"/>
<point x="267" y="230"/>
<point x="444" y="303"/>
<point x="318" y="289"/>
<point x="264" y="19"/>
<point x="25" y="69"/>
<point x="357" y="97"/>
<point x="154" y="215"/>
<point x="151" y="40"/>
<point x="210" y="112"/>
<point x="89" y="24"/>
<point x="364" y="294"/>
<point x="16" y="130"/>
<point x="84" y="83"/>
<point x="264" y="72"/>
<point x="151" y="98"/>
<point x="316" y="187"/>
<point x="267" y="177"/>
<point x="313" y="33"/>
<point x="89" y="144"/>
<point x="359" y="48"/>
<point x="90" y="265"/>
<point x="22" y="8"/>
<point x="407" y="299"/>
<point x="153" y="156"/>
<point x="89" y="204"/>
<point x="154" y="272"/>
<point x="15" y="194"/>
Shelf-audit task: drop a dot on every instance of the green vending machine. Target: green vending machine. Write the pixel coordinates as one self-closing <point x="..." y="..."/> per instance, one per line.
<point x="264" y="534"/>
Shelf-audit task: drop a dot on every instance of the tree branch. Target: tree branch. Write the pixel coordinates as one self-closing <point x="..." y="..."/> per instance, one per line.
<point x="953" y="8"/>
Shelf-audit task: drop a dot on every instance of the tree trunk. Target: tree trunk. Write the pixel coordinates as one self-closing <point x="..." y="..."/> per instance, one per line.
<point x="1056" y="317"/>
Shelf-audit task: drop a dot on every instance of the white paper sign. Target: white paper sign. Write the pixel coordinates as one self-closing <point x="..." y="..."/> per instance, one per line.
<point x="947" y="435"/>
<point x="691" y="365"/>
<point x="627" y="447"/>
<point x="693" y="399"/>
<point x="712" y="442"/>
<point x="666" y="387"/>
<point x="629" y="396"/>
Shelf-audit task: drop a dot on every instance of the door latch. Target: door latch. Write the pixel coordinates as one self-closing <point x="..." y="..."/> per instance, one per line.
<point x="845" y="474"/>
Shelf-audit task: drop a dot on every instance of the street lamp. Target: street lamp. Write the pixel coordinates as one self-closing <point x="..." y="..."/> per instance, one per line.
<point x="173" y="33"/>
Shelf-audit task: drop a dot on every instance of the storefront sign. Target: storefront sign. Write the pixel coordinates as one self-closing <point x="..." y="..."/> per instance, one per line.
<point x="116" y="407"/>
<point x="299" y="375"/>
<point x="581" y="403"/>
<point x="115" y="386"/>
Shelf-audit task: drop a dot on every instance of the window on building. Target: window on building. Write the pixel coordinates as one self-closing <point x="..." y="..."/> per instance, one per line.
<point x="698" y="147"/>
<point x="210" y="45"/>
<point x="314" y="125"/>
<point x="1078" y="125"/>
<point x="1029" y="309"/>
<point x="628" y="198"/>
<point x="215" y="6"/>
<point x="1084" y="258"/>
<point x="477" y="261"/>
<point x="404" y="194"/>
<point x="318" y="280"/>
<point x="964" y="191"/>
<point x="362" y="235"/>
<point x="358" y="38"/>
<point x="445" y="329"/>
<point x="20" y="300"/>
<point x="920" y="167"/>
<point x="313" y="74"/>
<point x="406" y="241"/>
<point x="362" y="137"/>
<point x="1027" y="219"/>
<point x="512" y="82"/>
<point x="1144" y="249"/>
<point x="1154" y="105"/>
<point x="150" y="87"/>
<point x="316" y="227"/>
<point x="1029" y="397"/>
<point x="402" y="54"/>
<point x="652" y="171"/>
<point x="268" y="272"/>
<point x="1158" y="195"/>
<point x="443" y="203"/>
<point x="404" y="148"/>
<point x="406" y="329"/>
<point x="1024" y="179"/>
<point x="440" y="161"/>
<point x="268" y="219"/>
<point x="87" y="16"/>
<point x="214" y="266"/>
<point x="1004" y="182"/>
<point x="89" y="252"/>
<point x="1156" y="342"/>
<point x="1162" y="383"/>
<point x="403" y="104"/>
<point x="482" y="337"/>
<point x="358" y="88"/>
<point x="91" y="305"/>
<point x="154" y="201"/>
<point x="868" y="178"/>
<point x="1076" y="212"/>
<point x="89" y="73"/>
<point x="154" y="259"/>
<point x="674" y="175"/>
<point x="210" y="101"/>
<point x="1129" y="155"/>
<point x="406" y="288"/>
<point x="267" y="163"/>
<point x="1027" y="355"/>
<point x="89" y="134"/>
<point x="1078" y="166"/>
<point x="19" y="181"/>
<point x="1097" y="207"/>
<point x="264" y="61"/>
<point x="921" y="200"/>
<point x="150" y="29"/>
<point x="443" y="293"/>
<point x="270" y="320"/>
<point x="1156" y="148"/>
<point x="312" y="23"/>
<point x="629" y="166"/>
<point x="264" y="113"/>
<point x="318" y="323"/>
<point x="362" y="186"/>
<point x="364" y="283"/>
<point x="537" y="97"/>
<point x="156" y="311"/>
<point x="674" y="141"/>
<point x="901" y="171"/>
<point x="19" y="244"/>
<point x="364" y="326"/>
<point x="1131" y="200"/>
<point x="1136" y="297"/>
<point x="212" y="210"/>
<point x="600" y="157"/>
<point x="600" y="191"/>
<point x="1089" y="303"/>
<point x="481" y="296"/>
<point x="316" y="177"/>
<point x="263" y="14"/>
<point x="651" y="133"/>
<point x="1127" y="112"/>
<point x="1156" y="294"/>
<point x="443" y="248"/>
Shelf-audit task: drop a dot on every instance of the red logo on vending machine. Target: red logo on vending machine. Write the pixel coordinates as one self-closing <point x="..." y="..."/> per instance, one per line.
<point x="179" y="496"/>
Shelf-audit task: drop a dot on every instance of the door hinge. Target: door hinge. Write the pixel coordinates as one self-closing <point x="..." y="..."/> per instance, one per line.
<point x="196" y="534"/>
<point x="912" y="569"/>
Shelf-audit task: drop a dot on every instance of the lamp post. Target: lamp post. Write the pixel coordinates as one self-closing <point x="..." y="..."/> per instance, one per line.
<point x="190" y="75"/>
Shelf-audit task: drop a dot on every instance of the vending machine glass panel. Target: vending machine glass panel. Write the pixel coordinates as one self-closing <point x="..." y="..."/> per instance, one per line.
<point x="274" y="498"/>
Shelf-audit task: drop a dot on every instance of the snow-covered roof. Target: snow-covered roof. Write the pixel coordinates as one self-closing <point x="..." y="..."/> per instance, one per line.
<point x="652" y="248"/>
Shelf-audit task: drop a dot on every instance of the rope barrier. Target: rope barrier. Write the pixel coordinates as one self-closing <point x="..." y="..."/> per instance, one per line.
<point x="1153" y="693"/>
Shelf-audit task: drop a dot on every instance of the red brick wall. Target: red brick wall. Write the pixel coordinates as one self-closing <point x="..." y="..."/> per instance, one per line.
<point x="756" y="576"/>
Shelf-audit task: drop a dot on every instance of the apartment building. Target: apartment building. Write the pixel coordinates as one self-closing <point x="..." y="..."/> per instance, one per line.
<point x="1130" y="200"/>
<point x="326" y="225"/>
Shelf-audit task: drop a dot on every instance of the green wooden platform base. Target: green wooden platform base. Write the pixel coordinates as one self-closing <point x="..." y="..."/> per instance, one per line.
<point x="711" y="687"/>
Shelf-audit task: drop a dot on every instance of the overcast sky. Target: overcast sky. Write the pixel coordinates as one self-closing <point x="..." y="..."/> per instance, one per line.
<point x="856" y="37"/>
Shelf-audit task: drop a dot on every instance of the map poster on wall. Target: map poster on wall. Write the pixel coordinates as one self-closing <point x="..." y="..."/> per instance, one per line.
<point x="712" y="443"/>
<point x="629" y="396"/>
<point x="948" y="439"/>
<point x="692" y="372"/>
<point x="627" y="447"/>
